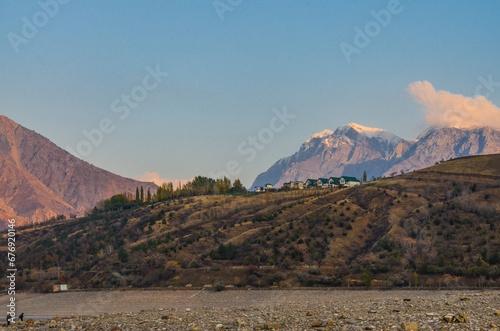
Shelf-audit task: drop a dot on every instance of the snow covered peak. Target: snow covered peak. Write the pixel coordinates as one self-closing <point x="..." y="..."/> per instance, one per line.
<point x="365" y="131"/>
<point x="361" y="128"/>
<point x="322" y="134"/>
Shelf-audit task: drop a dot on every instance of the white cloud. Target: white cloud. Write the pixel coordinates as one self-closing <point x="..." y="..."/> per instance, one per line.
<point x="155" y="178"/>
<point x="445" y="109"/>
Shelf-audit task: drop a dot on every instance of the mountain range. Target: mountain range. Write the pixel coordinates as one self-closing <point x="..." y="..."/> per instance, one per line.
<point x="352" y="149"/>
<point x="39" y="180"/>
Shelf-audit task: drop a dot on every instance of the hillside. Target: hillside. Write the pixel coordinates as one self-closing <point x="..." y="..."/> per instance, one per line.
<point x="353" y="149"/>
<point x="484" y="166"/>
<point x="39" y="180"/>
<point x="442" y="223"/>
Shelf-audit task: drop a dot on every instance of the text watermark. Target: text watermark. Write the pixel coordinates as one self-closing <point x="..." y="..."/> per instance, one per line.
<point x="251" y="146"/>
<point x="30" y="27"/>
<point x="363" y="37"/>
<point x="11" y="271"/>
<point x="121" y="106"/>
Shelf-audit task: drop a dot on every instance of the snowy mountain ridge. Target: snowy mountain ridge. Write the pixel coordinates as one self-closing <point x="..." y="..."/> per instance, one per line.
<point x="352" y="149"/>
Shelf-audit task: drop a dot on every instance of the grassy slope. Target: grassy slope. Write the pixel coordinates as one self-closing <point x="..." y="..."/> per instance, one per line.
<point x="487" y="165"/>
<point x="440" y="220"/>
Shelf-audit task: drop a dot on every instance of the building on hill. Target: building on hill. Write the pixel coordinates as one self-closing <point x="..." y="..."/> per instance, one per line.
<point x="266" y="188"/>
<point x="298" y="185"/>
<point x="349" y="181"/>
<point x="334" y="182"/>
<point x="310" y="183"/>
<point x="322" y="183"/>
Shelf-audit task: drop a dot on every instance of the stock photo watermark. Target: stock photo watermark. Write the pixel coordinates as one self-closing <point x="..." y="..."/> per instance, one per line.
<point x="251" y="146"/>
<point x="363" y="37"/>
<point x="223" y="6"/>
<point x="121" y="106"/>
<point x="11" y="271"/>
<point x="486" y="83"/>
<point x="30" y="26"/>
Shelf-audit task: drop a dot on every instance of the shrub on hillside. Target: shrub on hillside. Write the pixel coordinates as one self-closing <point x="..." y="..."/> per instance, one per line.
<point x="395" y="281"/>
<point x="218" y="287"/>
<point x="276" y="278"/>
<point x="302" y="277"/>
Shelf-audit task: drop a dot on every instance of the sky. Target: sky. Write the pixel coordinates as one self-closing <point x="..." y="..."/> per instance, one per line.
<point x="175" y="89"/>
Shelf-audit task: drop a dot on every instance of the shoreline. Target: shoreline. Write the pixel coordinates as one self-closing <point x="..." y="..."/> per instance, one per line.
<point x="254" y="309"/>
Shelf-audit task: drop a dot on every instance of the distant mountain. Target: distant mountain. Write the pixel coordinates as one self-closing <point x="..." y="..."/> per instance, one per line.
<point x="39" y="180"/>
<point x="435" y="145"/>
<point x="353" y="149"/>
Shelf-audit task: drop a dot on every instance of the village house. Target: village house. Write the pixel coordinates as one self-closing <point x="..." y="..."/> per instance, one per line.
<point x="322" y="183"/>
<point x="298" y="185"/>
<point x="332" y="182"/>
<point x="310" y="183"/>
<point x="349" y="181"/>
<point x="265" y="188"/>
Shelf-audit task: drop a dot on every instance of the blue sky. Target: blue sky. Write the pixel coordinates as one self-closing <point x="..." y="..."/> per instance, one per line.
<point x="226" y="76"/>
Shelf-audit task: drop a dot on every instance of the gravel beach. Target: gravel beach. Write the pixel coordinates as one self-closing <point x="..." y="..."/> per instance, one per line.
<point x="260" y="310"/>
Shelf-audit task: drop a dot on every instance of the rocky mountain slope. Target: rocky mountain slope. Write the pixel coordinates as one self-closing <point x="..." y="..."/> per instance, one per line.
<point x="353" y="149"/>
<point x="39" y="180"/>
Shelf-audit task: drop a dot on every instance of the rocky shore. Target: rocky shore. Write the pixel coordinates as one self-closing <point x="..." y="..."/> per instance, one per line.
<point x="283" y="310"/>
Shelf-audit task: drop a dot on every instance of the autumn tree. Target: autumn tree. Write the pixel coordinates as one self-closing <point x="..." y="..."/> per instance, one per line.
<point x="223" y="185"/>
<point x="238" y="188"/>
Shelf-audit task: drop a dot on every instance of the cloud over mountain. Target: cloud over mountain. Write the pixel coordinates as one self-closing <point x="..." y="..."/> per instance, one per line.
<point x="445" y="109"/>
<point x="156" y="178"/>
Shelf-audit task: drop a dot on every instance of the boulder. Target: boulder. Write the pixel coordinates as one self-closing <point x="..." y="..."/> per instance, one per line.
<point x="409" y="326"/>
<point x="460" y="317"/>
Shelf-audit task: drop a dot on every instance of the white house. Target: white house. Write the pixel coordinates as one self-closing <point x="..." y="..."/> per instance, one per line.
<point x="310" y="183"/>
<point x="349" y="181"/>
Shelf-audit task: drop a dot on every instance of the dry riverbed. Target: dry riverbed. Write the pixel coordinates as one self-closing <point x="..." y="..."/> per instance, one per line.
<point x="260" y="310"/>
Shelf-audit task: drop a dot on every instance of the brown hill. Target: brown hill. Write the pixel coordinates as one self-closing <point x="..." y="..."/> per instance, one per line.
<point x="471" y="165"/>
<point x="441" y="223"/>
<point x="39" y="180"/>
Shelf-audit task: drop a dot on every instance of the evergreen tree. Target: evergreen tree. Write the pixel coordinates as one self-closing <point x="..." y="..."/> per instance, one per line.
<point x="368" y="278"/>
<point x="148" y="197"/>
<point x="364" y="176"/>
<point x="142" y="195"/>
<point x="123" y="255"/>
<point x="137" y="195"/>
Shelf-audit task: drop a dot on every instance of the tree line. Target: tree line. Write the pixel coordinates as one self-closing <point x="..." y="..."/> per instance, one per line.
<point x="199" y="185"/>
